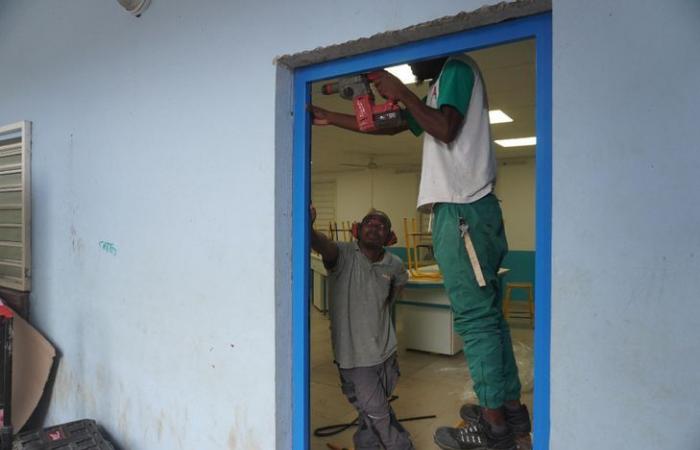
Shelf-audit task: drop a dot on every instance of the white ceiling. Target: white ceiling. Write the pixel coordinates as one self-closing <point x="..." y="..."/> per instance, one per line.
<point x="509" y="73"/>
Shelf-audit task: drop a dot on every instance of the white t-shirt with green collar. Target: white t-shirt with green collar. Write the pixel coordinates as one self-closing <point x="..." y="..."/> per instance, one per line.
<point x="464" y="170"/>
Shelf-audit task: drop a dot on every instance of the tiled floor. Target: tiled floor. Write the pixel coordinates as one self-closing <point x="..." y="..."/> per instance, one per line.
<point x="430" y="384"/>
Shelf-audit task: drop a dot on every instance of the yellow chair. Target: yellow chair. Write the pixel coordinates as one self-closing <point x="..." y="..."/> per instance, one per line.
<point x="508" y="298"/>
<point x="414" y="241"/>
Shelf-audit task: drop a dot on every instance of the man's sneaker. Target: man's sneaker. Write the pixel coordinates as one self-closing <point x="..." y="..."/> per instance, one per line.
<point x="476" y="436"/>
<point x="518" y="421"/>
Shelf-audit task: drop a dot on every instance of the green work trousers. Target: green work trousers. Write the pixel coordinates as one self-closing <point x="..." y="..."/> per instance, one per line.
<point x="478" y="314"/>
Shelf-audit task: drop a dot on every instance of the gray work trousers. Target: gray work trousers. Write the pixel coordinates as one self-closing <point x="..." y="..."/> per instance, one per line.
<point x="369" y="389"/>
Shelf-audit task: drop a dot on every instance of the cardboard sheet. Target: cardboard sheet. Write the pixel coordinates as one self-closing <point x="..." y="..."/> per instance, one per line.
<point x="32" y="358"/>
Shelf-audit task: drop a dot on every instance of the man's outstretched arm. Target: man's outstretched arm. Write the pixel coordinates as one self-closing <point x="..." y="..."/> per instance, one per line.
<point x="321" y="244"/>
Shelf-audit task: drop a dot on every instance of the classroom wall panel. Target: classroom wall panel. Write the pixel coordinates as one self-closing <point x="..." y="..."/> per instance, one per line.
<point x="393" y="193"/>
<point x="515" y="188"/>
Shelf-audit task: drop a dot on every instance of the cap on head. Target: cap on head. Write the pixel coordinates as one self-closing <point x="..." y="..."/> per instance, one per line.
<point x="427" y="69"/>
<point x="379" y="214"/>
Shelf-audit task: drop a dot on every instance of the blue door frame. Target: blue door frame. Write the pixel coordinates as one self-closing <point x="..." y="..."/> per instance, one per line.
<point x="538" y="27"/>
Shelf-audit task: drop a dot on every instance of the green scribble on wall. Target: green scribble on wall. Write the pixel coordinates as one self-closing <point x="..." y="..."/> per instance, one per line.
<point x="108" y="247"/>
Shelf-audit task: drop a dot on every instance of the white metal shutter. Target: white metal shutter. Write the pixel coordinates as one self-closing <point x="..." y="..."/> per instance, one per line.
<point x="15" y="206"/>
<point x="323" y="196"/>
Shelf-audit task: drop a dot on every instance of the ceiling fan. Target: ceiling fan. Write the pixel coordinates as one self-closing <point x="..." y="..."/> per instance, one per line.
<point x="372" y="165"/>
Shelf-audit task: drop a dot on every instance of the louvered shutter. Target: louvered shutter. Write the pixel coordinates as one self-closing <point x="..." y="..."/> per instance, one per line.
<point x="15" y="206"/>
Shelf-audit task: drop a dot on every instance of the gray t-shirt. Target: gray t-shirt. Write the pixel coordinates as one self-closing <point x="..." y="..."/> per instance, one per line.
<point x="361" y="294"/>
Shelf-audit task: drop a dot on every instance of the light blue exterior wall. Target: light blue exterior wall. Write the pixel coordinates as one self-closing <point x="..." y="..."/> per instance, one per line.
<point x="157" y="134"/>
<point x="626" y="247"/>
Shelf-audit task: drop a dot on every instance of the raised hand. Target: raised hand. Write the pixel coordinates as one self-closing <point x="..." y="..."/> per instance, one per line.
<point x="388" y="85"/>
<point x="319" y="115"/>
<point x="312" y="214"/>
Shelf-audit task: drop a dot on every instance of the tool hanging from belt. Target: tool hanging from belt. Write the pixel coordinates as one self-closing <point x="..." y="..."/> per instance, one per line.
<point x="473" y="258"/>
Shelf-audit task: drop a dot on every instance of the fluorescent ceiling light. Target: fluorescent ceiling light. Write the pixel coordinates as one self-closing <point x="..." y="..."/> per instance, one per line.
<point x="403" y="73"/>
<point x="517" y="142"/>
<point x="498" y="116"/>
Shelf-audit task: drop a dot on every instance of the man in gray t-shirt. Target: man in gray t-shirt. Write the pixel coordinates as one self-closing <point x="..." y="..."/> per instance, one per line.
<point x="365" y="280"/>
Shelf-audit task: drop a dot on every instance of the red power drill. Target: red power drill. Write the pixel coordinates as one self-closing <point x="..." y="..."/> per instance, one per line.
<point x="369" y="115"/>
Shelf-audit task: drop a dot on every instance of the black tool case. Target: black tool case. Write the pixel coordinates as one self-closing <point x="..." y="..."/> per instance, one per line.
<point x="79" y="435"/>
<point x="6" y="316"/>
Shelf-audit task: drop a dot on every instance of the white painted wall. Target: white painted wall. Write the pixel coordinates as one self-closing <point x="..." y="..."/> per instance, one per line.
<point x="626" y="247"/>
<point x="515" y="188"/>
<point x="395" y="194"/>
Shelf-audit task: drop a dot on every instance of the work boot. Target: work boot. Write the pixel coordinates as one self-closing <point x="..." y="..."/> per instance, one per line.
<point x="478" y="436"/>
<point x="518" y="421"/>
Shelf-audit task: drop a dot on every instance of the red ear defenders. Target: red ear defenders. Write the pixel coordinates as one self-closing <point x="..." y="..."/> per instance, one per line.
<point x="391" y="238"/>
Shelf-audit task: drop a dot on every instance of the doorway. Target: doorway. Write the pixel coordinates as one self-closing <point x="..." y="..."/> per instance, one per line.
<point x="536" y="29"/>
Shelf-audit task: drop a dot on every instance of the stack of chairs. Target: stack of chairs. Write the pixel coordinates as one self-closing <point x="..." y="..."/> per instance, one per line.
<point x="416" y="241"/>
<point x="342" y="233"/>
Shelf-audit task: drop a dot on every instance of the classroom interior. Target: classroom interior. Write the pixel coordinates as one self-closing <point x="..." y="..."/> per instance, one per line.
<point x="352" y="173"/>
